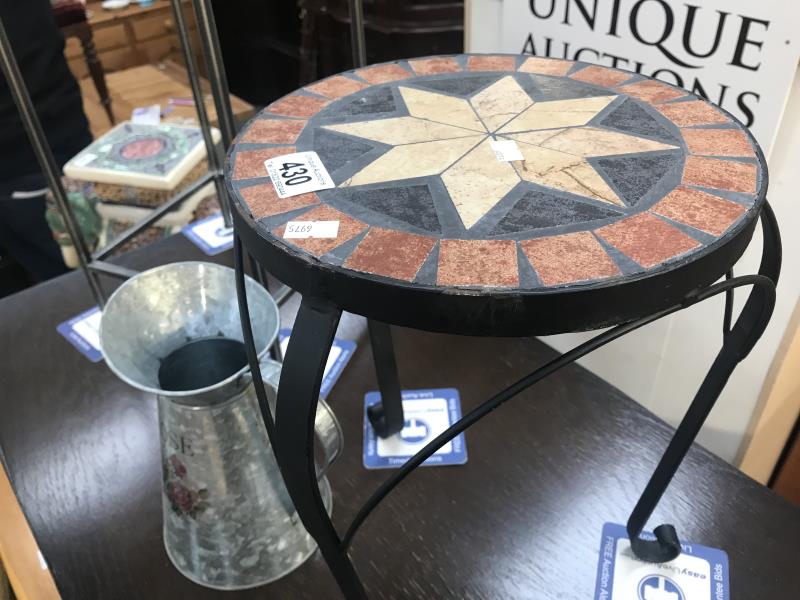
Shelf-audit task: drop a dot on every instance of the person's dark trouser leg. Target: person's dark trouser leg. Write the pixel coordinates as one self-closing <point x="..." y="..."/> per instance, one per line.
<point x="25" y="235"/>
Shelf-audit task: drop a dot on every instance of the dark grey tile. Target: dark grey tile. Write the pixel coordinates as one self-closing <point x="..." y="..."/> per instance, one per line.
<point x="542" y="88"/>
<point x="428" y="271"/>
<point x="337" y="150"/>
<point x="632" y="118"/>
<point x="527" y="274"/>
<point x="412" y="204"/>
<point x="538" y="209"/>
<point x="634" y="176"/>
<point x="371" y="103"/>
<point x="338" y="255"/>
<point x="462" y="86"/>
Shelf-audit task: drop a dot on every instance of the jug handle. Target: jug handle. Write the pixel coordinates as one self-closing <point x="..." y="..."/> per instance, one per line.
<point x="329" y="433"/>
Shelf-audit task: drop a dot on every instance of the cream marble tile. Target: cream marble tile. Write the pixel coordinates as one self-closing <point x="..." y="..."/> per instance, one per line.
<point x="414" y="160"/>
<point x="558" y="113"/>
<point x="441" y="108"/>
<point x="477" y="182"/>
<point x="401" y="130"/>
<point x="588" y="141"/>
<point x="500" y="102"/>
<point x="565" y="172"/>
<point x="535" y="138"/>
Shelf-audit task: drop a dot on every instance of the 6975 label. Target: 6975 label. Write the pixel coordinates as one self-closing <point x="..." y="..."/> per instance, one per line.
<point x="298" y="173"/>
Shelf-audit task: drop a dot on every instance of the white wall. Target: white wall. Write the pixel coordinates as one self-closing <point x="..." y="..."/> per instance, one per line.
<point x="662" y="365"/>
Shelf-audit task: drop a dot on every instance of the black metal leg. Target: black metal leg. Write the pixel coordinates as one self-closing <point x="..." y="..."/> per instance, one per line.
<point x="737" y="343"/>
<point x="298" y="394"/>
<point x="307" y="354"/>
<point x="387" y="415"/>
<point x="666" y="546"/>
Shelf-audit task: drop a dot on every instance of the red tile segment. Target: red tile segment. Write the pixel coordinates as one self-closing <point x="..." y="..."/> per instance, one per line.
<point x="561" y="259"/>
<point x="348" y="229"/>
<point x="490" y="63"/>
<point x="546" y="66"/>
<point x="700" y="210"/>
<point x="395" y="254"/>
<point x="273" y="131"/>
<point x="383" y="73"/>
<point x="487" y="263"/>
<point x="692" y="112"/>
<point x="720" y="174"/>
<point x="601" y="76"/>
<point x="263" y="202"/>
<point x="297" y="105"/>
<point x="653" y="92"/>
<point x="249" y="164"/>
<point x="647" y="239"/>
<point x="431" y="66"/>
<point x="718" y="142"/>
<point x="336" y="87"/>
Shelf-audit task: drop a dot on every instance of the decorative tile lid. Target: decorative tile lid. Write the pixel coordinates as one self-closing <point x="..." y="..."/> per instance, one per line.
<point x="620" y="175"/>
<point x="148" y="156"/>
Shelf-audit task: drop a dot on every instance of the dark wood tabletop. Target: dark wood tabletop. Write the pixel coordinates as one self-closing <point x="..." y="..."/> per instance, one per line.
<point x="521" y="520"/>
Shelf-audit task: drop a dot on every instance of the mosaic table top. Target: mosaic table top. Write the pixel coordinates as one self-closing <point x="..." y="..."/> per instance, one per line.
<point x="621" y="176"/>
<point x="138" y="154"/>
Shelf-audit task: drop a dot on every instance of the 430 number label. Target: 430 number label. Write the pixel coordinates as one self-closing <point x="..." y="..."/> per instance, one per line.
<point x="294" y="173"/>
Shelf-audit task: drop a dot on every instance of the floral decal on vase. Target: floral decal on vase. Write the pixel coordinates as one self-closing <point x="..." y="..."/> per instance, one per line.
<point x="183" y="499"/>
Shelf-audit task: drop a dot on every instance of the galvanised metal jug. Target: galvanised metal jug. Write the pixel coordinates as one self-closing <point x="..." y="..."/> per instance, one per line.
<point x="174" y="331"/>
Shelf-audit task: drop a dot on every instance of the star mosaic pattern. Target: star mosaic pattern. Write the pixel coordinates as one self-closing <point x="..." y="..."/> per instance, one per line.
<point x="620" y="174"/>
<point x="452" y="137"/>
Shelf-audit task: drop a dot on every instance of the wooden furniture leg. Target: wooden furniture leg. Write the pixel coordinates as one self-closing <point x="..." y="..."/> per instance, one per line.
<point x="96" y="70"/>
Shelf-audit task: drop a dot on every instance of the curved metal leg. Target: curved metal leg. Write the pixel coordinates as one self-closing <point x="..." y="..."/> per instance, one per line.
<point x="298" y="394"/>
<point x="310" y="344"/>
<point x="293" y="441"/>
<point x="737" y="343"/>
<point x="758" y="308"/>
<point x="386" y="416"/>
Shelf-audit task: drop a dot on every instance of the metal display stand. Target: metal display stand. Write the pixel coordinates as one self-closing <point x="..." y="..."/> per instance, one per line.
<point x="326" y="295"/>
<point x="314" y="330"/>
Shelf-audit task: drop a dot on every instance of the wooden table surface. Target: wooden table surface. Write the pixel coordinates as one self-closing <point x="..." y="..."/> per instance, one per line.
<point x="521" y="520"/>
<point x="146" y="85"/>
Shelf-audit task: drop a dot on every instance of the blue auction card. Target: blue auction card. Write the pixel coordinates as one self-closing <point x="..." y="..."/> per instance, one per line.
<point x="210" y="235"/>
<point x="341" y="352"/>
<point x="698" y="573"/>
<point x="83" y="332"/>
<point x="427" y="414"/>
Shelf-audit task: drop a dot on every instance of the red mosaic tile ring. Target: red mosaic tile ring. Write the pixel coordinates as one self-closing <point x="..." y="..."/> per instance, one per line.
<point x="621" y="194"/>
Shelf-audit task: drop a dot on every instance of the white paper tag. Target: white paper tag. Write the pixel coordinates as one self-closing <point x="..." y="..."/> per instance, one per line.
<point x="147" y="115"/>
<point x="89" y="328"/>
<point x="298" y="173"/>
<point x="311" y="229"/>
<point x="210" y="234"/>
<point x="698" y="573"/>
<point x="84" y="159"/>
<point x="506" y="150"/>
<point x="83" y="332"/>
<point x="426" y="413"/>
<point x="338" y="357"/>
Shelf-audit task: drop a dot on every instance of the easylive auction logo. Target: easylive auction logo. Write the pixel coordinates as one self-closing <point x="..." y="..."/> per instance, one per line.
<point x="697" y="47"/>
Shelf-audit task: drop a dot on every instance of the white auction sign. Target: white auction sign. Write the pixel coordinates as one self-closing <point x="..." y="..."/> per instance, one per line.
<point x="739" y="54"/>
